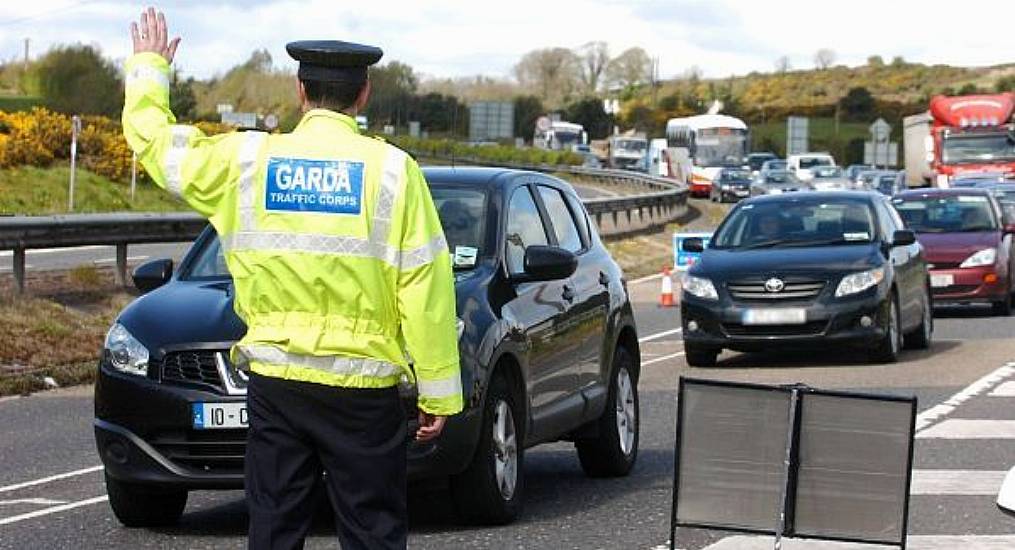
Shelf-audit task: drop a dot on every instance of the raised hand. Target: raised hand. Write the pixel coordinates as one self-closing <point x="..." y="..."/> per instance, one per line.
<point x="151" y="35"/>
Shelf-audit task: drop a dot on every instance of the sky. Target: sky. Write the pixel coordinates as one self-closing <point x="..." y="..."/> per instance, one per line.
<point x="450" y="38"/>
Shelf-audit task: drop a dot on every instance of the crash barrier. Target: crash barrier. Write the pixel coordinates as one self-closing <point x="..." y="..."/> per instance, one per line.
<point x="792" y="461"/>
<point x="662" y="203"/>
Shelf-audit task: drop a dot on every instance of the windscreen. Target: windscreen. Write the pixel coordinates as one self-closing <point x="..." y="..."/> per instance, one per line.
<point x="720" y="147"/>
<point x="736" y="176"/>
<point x="463" y="216"/>
<point x="811" y="162"/>
<point x="978" y="148"/>
<point x="947" y="214"/>
<point x="826" y="171"/>
<point x="796" y="223"/>
<point x="780" y="177"/>
<point x="633" y="145"/>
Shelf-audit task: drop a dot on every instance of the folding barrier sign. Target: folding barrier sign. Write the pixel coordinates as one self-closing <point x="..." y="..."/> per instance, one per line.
<point x="792" y="461"/>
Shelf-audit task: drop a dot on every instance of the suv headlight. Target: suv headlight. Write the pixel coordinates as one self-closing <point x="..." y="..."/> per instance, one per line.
<point x="987" y="256"/>
<point x="126" y="354"/>
<point x="859" y="282"/>
<point x="700" y="287"/>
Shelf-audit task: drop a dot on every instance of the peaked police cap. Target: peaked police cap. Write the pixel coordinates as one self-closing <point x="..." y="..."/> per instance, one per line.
<point x="333" y="60"/>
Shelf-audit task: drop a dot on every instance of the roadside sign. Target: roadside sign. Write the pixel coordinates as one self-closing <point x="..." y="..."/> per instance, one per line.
<point x="240" y="120"/>
<point x="682" y="261"/>
<point x="271" y="121"/>
<point x="880" y="130"/>
<point x="881" y="153"/>
<point x="796" y="135"/>
<point x="792" y="461"/>
<point x="543" y="123"/>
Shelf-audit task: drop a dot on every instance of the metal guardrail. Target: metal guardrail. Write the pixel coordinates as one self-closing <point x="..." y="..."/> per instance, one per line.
<point x="663" y="203"/>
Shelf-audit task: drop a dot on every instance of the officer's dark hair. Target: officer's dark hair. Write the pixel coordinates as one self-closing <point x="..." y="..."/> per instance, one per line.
<point x="332" y="95"/>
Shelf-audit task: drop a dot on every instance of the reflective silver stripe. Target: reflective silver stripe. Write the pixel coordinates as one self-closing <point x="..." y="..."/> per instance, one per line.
<point x="173" y="163"/>
<point x="300" y="242"/>
<point x="416" y="257"/>
<point x="440" y="388"/>
<point x="392" y="183"/>
<point x="147" y="72"/>
<point x="247" y="160"/>
<point x="270" y="355"/>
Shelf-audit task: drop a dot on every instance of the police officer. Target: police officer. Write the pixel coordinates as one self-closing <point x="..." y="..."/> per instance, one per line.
<point x="340" y="269"/>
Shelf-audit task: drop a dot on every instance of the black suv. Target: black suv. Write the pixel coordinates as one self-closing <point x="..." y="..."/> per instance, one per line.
<point x="807" y="269"/>
<point x="548" y="349"/>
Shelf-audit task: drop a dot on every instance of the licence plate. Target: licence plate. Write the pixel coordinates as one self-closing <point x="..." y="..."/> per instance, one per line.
<point x="941" y="281"/>
<point x="213" y="416"/>
<point x="775" y="316"/>
<point x="742" y="192"/>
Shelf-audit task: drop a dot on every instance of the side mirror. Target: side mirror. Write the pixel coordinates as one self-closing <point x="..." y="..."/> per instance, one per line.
<point x="693" y="244"/>
<point x="151" y="275"/>
<point x="1006" y="496"/>
<point x="903" y="237"/>
<point x="548" y="263"/>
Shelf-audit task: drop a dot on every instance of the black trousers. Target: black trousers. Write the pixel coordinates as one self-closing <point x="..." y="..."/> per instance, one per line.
<point x="299" y="429"/>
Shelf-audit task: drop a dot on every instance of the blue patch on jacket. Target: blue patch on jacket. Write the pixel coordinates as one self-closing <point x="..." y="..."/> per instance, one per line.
<point x="305" y="185"/>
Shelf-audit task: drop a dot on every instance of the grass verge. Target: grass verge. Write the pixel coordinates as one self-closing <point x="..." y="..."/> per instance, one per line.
<point x="31" y="191"/>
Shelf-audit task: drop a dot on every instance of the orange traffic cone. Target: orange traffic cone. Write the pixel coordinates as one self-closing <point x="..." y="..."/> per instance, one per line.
<point x="666" y="292"/>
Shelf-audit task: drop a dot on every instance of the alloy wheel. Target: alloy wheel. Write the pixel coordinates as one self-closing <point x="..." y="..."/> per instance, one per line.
<point x="626" y="414"/>
<point x="505" y="449"/>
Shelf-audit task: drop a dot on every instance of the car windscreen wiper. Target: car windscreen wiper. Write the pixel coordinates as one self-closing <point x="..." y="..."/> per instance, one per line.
<point x="766" y="244"/>
<point x="828" y="242"/>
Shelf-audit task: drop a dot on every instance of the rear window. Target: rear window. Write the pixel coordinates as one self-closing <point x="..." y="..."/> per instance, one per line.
<point x="811" y="162"/>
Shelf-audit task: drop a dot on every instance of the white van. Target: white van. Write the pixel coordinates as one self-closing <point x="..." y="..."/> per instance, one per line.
<point x="802" y="163"/>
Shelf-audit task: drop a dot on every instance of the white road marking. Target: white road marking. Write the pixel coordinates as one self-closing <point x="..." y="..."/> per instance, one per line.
<point x="957" y="482"/>
<point x="645" y="279"/>
<point x="663" y="358"/>
<point x="11" y="269"/>
<point x="914" y="542"/>
<point x="113" y="260"/>
<point x="961" y="428"/>
<point x="48" y="479"/>
<point x="659" y="335"/>
<point x="929" y="416"/>
<point x="53" y="510"/>
<point x="1006" y="389"/>
<point x="38" y="501"/>
<point x="34" y="251"/>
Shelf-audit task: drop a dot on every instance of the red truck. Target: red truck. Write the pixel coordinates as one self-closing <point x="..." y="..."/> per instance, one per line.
<point x="960" y="136"/>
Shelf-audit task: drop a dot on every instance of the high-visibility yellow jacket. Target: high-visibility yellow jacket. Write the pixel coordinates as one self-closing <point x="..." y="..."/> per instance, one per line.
<point x="332" y="239"/>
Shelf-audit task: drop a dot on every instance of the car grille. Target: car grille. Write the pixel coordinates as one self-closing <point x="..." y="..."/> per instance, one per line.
<point x="954" y="289"/>
<point x="754" y="290"/>
<point x="192" y="367"/>
<point x="211" y="451"/>
<point x="812" y="328"/>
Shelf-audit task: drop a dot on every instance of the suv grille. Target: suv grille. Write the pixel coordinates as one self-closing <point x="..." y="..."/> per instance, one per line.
<point x="800" y="289"/>
<point x="193" y="367"/>
<point x="212" y="451"/>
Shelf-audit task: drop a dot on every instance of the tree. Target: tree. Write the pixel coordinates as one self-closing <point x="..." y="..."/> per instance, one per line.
<point x="898" y="61"/>
<point x="78" y="80"/>
<point x="552" y="73"/>
<point x="782" y="64"/>
<point x="969" y="89"/>
<point x="875" y="61"/>
<point x="630" y="69"/>
<point x="594" y="58"/>
<point x="824" y="58"/>
<point x="589" y="112"/>
<point x="1005" y="84"/>
<point x="392" y="88"/>
<point x="528" y="108"/>
<point x="858" y="104"/>
<point x="182" y="100"/>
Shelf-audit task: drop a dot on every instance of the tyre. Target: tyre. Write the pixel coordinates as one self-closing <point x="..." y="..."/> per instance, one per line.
<point x="142" y="506"/>
<point x="613" y="451"/>
<point x="921" y="337"/>
<point x="887" y="348"/>
<point x="700" y="357"/>
<point x="490" y="490"/>
<point x="1003" y="307"/>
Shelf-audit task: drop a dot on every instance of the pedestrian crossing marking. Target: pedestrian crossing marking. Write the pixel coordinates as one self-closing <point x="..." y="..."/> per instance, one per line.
<point x="962" y="428"/>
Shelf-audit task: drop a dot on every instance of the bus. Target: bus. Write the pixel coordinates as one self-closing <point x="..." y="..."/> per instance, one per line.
<point x="700" y="146"/>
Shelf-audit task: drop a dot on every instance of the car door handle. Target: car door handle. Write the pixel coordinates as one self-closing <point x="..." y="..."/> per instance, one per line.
<point x="604" y="279"/>
<point x="568" y="294"/>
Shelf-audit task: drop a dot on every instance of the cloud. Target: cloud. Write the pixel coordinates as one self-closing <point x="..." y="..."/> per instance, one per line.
<point x="464" y="37"/>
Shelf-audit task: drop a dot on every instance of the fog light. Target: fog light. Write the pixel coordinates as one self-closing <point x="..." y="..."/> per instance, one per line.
<point x="117" y="452"/>
<point x="866" y="321"/>
<point x="692" y="326"/>
<point x="990" y="278"/>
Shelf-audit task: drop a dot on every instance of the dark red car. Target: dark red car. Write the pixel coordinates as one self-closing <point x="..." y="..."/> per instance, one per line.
<point x="967" y="242"/>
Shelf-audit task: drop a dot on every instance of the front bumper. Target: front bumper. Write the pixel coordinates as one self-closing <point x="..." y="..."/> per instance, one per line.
<point x="720" y="324"/>
<point x="968" y="285"/>
<point x="144" y="434"/>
